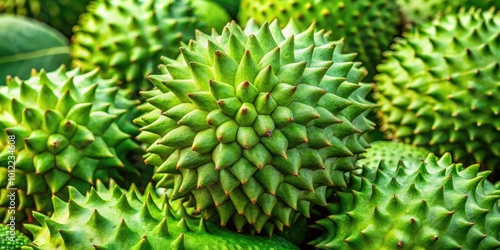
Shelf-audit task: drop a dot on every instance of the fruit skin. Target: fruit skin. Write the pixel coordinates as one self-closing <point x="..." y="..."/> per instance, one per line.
<point x="368" y="26"/>
<point x="12" y="242"/>
<point x="118" y="219"/>
<point x="213" y="15"/>
<point x="60" y="14"/>
<point x="232" y="6"/>
<point x="424" y="10"/>
<point x="68" y="128"/>
<point x="256" y="124"/>
<point x="391" y="152"/>
<point x="434" y="205"/>
<point x="126" y="38"/>
<point x="439" y="87"/>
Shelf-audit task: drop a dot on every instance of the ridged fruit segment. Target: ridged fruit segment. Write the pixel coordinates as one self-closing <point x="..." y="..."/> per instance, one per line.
<point x="439" y="87"/>
<point x="391" y="152"/>
<point x="112" y="218"/>
<point x="434" y="205"/>
<point x="126" y="38"/>
<point x="60" y="14"/>
<point x="11" y="239"/>
<point x="368" y="26"/>
<point x="256" y="124"/>
<point x="58" y="129"/>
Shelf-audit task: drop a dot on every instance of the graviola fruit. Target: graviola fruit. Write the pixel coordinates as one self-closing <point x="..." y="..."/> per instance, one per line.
<point x="212" y="14"/>
<point x="60" y="14"/>
<point x="61" y="128"/>
<point x="368" y="26"/>
<point x="391" y="152"/>
<point x="424" y="10"/>
<point x="439" y="87"/>
<point x="116" y="219"/>
<point x="126" y="38"/>
<point x="12" y="239"/>
<point x="256" y="124"/>
<point x="434" y="205"/>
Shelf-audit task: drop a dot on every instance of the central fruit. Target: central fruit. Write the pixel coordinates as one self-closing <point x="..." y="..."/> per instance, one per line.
<point x="256" y="125"/>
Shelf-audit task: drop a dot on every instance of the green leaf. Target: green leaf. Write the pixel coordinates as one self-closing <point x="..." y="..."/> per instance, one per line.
<point x="26" y="44"/>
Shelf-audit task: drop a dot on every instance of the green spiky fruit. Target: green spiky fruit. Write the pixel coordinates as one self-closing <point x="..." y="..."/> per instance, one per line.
<point x="368" y="26"/>
<point x="391" y="153"/>
<point x="116" y="219"/>
<point x="60" y="14"/>
<point x="232" y="6"/>
<point x="11" y="239"/>
<point x="434" y="205"/>
<point x="214" y="15"/>
<point x="440" y="87"/>
<point x="126" y="38"/>
<point x="61" y="128"/>
<point x="256" y="124"/>
<point x="424" y="10"/>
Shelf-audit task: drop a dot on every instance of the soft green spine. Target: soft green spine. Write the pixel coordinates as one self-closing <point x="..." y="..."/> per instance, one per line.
<point x="112" y="218"/>
<point x="368" y="26"/>
<point x="432" y="205"/>
<point x="439" y="87"/>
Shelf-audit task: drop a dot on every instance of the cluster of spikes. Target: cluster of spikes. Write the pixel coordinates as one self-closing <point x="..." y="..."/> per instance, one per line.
<point x="256" y="124"/>
<point x="440" y="87"/>
<point x="368" y="26"/>
<point x="432" y="205"/>
<point x="391" y="152"/>
<point x="113" y="218"/>
<point x="126" y="38"/>
<point x="67" y="128"/>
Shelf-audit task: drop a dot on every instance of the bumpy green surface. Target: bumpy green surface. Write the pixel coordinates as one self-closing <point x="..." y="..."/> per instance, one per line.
<point x="232" y="6"/>
<point x="68" y="128"/>
<point x="434" y="205"/>
<point x="440" y="87"/>
<point x="368" y="26"/>
<point x="60" y="14"/>
<point x="391" y="153"/>
<point x="213" y="15"/>
<point x="256" y="124"/>
<point x="423" y="10"/>
<point x="126" y="38"/>
<point x="12" y="241"/>
<point x="116" y="219"/>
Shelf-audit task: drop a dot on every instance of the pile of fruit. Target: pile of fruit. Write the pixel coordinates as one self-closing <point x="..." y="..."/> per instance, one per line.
<point x="252" y="124"/>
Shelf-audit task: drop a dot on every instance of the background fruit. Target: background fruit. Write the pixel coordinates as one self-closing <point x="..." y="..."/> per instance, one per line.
<point x="68" y="128"/>
<point x="256" y="125"/>
<point x="439" y="87"/>
<point x="391" y="152"/>
<point x="12" y="242"/>
<point x="116" y="219"/>
<point x="368" y="26"/>
<point x="60" y="14"/>
<point x="434" y="205"/>
<point x="126" y="38"/>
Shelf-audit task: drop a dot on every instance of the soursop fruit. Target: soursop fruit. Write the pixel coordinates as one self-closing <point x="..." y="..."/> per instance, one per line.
<point x="434" y="205"/>
<point x="61" y="128"/>
<point x="11" y="239"/>
<point x="391" y="152"/>
<point x="116" y="219"/>
<point x="256" y="124"/>
<point x="126" y="38"/>
<point x="439" y="87"/>
<point x="424" y="10"/>
<point x="232" y="6"/>
<point x="368" y="26"/>
<point x="60" y="14"/>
